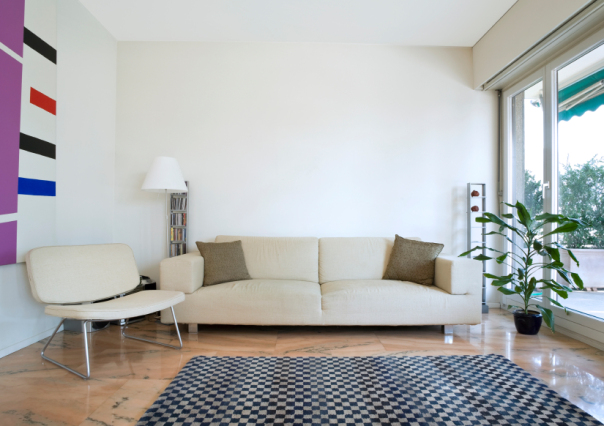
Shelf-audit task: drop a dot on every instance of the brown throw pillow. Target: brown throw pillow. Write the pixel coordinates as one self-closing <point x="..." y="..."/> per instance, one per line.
<point x="223" y="262"/>
<point x="413" y="261"/>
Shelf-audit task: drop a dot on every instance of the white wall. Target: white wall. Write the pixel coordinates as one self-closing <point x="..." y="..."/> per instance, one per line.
<point x="87" y="60"/>
<point x="301" y="139"/>
<point x="86" y="96"/>
<point x="527" y="22"/>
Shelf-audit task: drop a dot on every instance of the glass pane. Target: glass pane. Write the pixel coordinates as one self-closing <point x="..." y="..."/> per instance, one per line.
<point x="581" y="173"/>
<point x="527" y="134"/>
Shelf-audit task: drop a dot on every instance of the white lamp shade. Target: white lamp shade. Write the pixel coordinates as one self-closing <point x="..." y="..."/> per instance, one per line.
<point x="164" y="175"/>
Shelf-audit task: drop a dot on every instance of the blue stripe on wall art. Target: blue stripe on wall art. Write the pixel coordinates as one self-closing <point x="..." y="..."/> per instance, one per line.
<point x="45" y="188"/>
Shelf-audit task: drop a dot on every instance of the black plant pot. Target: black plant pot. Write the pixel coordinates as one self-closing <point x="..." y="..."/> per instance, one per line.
<point x="527" y="323"/>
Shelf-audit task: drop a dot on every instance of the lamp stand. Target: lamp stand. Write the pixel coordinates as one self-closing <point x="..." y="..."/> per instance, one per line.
<point x="167" y="224"/>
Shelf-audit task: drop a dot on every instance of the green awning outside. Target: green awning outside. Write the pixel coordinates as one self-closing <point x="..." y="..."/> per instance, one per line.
<point x="590" y="104"/>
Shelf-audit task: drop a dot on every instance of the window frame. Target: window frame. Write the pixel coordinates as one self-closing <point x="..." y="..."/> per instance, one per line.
<point x="508" y="165"/>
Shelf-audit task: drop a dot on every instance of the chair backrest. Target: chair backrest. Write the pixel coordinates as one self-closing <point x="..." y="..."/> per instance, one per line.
<point x="74" y="274"/>
<point x="279" y="258"/>
<point x="354" y="258"/>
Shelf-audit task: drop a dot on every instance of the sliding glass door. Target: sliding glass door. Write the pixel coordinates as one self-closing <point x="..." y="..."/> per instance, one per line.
<point x="580" y="173"/>
<point x="553" y="161"/>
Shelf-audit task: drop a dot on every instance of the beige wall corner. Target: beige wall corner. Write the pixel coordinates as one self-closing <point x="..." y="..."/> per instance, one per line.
<point x="525" y="24"/>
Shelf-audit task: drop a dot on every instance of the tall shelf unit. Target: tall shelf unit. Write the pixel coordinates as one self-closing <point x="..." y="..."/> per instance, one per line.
<point x="474" y="227"/>
<point x="179" y="219"/>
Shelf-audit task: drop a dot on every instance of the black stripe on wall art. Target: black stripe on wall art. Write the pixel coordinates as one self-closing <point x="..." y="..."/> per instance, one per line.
<point x="39" y="45"/>
<point x="37" y="146"/>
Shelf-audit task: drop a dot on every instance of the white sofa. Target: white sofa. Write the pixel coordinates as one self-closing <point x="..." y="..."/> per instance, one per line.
<point x="327" y="281"/>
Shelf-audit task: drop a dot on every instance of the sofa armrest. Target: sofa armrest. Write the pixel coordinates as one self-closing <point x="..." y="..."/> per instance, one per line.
<point x="457" y="275"/>
<point x="182" y="273"/>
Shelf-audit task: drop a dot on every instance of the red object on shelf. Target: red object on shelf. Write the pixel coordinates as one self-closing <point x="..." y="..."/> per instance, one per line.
<point x="475" y="193"/>
<point x="475" y="208"/>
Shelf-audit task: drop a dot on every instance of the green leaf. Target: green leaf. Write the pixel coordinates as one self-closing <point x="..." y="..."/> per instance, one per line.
<point x="483" y="220"/>
<point x="497" y="281"/>
<point x="559" y="291"/>
<point x="555" y="302"/>
<point x="556" y="286"/>
<point x="572" y="256"/>
<point x="506" y="291"/>
<point x="549" y="218"/>
<point x="570" y="253"/>
<point x="491" y="276"/>
<point x="502" y="258"/>
<point x="482" y="257"/>
<point x="524" y="217"/>
<point x="577" y="280"/>
<point x="537" y="246"/>
<point x="508" y="216"/>
<point x="567" y="227"/>
<point x="548" y="317"/>
<point x="563" y="273"/>
<point x="553" y="252"/>
<point x="496" y="219"/>
<point x="521" y="272"/>
<point x="470" y="251"/>
<point x="554" y="265"/>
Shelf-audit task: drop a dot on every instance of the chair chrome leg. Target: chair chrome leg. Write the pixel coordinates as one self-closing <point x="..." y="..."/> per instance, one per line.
<point x="155" y="341"/>
<point x="85" y="334"/>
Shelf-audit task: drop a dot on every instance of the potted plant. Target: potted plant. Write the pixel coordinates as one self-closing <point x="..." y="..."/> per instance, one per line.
<point x="531" y="255"/>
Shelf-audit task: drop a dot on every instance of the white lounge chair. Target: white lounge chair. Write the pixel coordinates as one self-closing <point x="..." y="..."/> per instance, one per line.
<point x="69" y="278"/>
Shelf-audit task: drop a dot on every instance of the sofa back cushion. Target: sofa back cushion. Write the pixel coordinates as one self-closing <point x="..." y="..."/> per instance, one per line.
<point x="356" y="258"/>
<point x="279" y="258"/>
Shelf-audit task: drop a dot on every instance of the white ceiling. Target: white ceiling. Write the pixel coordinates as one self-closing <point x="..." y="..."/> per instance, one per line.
<point x="404" y="22"/>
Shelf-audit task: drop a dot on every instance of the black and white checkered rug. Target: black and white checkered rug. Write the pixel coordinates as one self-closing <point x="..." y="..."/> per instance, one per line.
<point x="426" y="391"/>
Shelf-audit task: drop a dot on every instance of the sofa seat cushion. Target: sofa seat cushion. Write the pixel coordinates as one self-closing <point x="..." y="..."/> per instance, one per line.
<point x="256" y="302"/>
<point x="389" y="302"/>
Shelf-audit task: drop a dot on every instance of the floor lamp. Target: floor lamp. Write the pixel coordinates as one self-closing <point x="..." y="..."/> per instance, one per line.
<point x="165" y="176"/>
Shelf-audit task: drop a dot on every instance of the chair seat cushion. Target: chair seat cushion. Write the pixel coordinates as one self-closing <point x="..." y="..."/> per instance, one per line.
<point x="389" y="302"/>
<point x="133" y="305"/>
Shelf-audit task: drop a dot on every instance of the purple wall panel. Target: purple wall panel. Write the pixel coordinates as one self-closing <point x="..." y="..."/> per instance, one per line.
<point x="12" y="13"/>
<point x="8" y="243"/>
<point x="10" y="123"/>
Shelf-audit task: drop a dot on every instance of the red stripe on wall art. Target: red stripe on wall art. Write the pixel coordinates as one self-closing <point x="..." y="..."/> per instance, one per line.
<point x="39" y="99"/>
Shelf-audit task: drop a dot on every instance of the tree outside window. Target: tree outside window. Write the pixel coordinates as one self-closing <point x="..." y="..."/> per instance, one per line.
<point x="581" y="195"/>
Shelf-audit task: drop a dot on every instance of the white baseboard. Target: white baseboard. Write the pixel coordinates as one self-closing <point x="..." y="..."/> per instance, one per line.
<point x="580" y="337"/>
<point x="494" y="305"/>
<point x="24" y="343"/>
